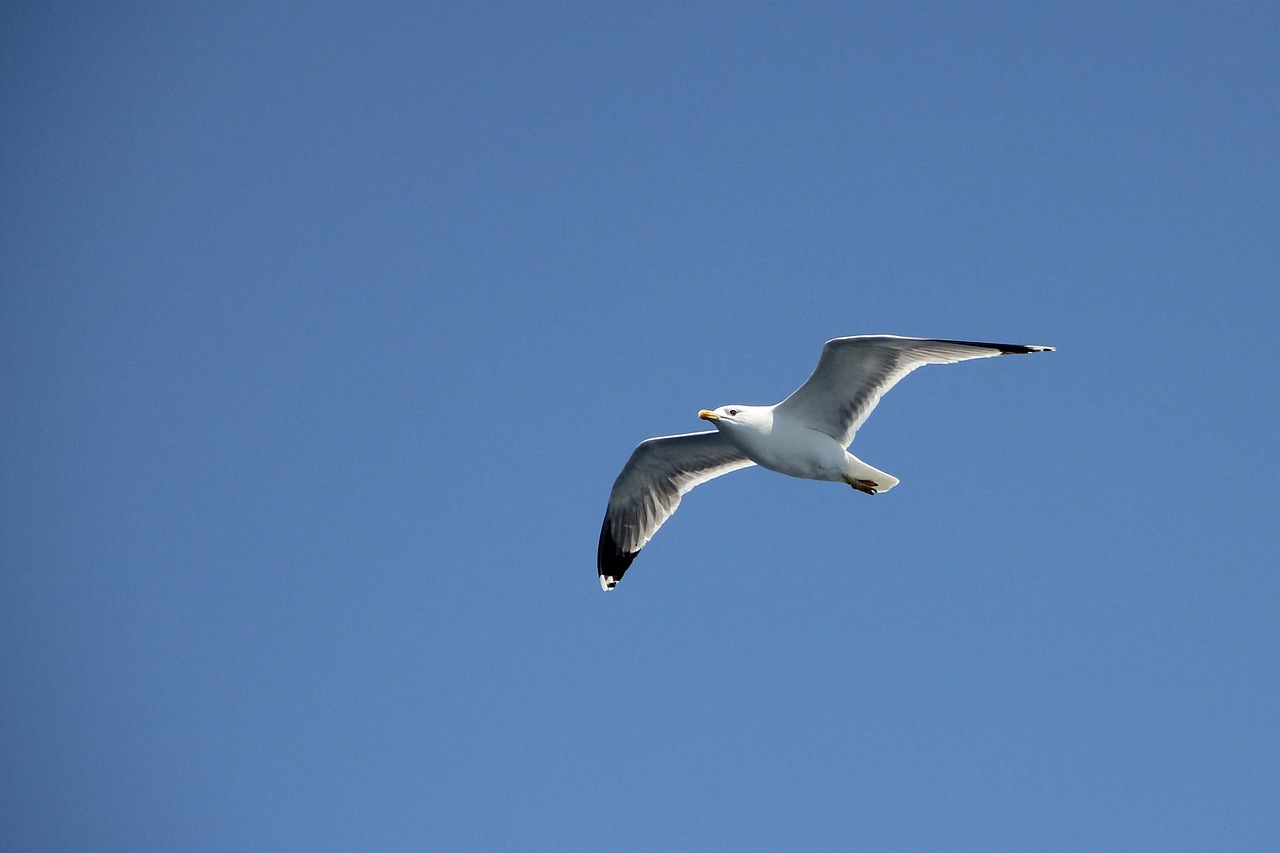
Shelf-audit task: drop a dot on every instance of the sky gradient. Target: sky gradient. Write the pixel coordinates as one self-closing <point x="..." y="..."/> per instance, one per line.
<point x="326" y="328"/>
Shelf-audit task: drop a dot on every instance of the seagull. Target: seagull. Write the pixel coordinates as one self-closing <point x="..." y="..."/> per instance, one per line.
<point x="803" y="436"/>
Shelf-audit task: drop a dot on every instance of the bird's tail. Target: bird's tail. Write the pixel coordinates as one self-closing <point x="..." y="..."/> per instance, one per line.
<point x="855" y="470"/>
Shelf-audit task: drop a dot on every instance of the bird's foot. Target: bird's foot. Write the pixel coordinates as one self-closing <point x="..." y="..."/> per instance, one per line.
<point x="867" y="487"/>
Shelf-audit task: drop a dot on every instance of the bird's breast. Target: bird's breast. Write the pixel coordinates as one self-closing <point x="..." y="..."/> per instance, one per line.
<point x="794" y="451"/>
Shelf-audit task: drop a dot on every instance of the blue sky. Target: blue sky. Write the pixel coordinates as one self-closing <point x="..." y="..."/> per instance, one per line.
<point x="326" y="328"/>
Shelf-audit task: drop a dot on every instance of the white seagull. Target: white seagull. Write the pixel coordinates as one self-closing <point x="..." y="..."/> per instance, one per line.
<point x="803" y="436"/>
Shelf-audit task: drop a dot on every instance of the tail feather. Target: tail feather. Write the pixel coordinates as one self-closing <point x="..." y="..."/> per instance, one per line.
<point x="856" y="469"/>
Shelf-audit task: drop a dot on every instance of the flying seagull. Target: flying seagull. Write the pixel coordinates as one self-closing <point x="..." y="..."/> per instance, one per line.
<point x="803" y="436"/>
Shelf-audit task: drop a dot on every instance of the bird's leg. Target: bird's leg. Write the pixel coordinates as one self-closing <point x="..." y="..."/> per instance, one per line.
<point x="867" y="487"/>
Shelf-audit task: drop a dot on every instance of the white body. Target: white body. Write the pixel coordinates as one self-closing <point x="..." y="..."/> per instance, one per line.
<point x="787" y="446"/>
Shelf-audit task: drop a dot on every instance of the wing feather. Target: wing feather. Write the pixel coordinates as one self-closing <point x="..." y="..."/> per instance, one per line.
<point x="646" y="493"/>
<point x="854" y="373"/>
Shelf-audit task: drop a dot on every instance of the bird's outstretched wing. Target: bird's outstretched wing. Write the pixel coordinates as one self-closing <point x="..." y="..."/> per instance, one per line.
<point x="854" y="373"/>
<point x="649" y="488"/>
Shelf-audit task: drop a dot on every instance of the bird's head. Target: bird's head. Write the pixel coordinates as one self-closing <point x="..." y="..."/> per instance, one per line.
<point x="727" y="416"/>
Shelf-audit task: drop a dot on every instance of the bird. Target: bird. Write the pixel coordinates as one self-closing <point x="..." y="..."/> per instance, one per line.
<point x="806" y="436"/>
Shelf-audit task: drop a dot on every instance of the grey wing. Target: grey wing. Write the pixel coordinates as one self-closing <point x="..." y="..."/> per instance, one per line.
<point x="855" y="372"/>
<point x="649" y="489"/>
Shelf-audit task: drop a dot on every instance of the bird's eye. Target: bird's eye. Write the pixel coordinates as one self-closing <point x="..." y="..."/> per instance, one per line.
<point x="733" y="411"/>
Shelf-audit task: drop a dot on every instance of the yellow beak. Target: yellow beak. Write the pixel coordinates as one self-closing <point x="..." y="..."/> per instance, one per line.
<point x="708" y="415"/>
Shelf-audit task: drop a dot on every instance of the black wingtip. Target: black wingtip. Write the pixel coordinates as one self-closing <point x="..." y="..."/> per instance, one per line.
<point x="1005" y="349"/>
<point x="611" y="561"/>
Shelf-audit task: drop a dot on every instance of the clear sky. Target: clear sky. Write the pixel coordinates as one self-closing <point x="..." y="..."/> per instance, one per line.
<point x="326" y="327"/>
